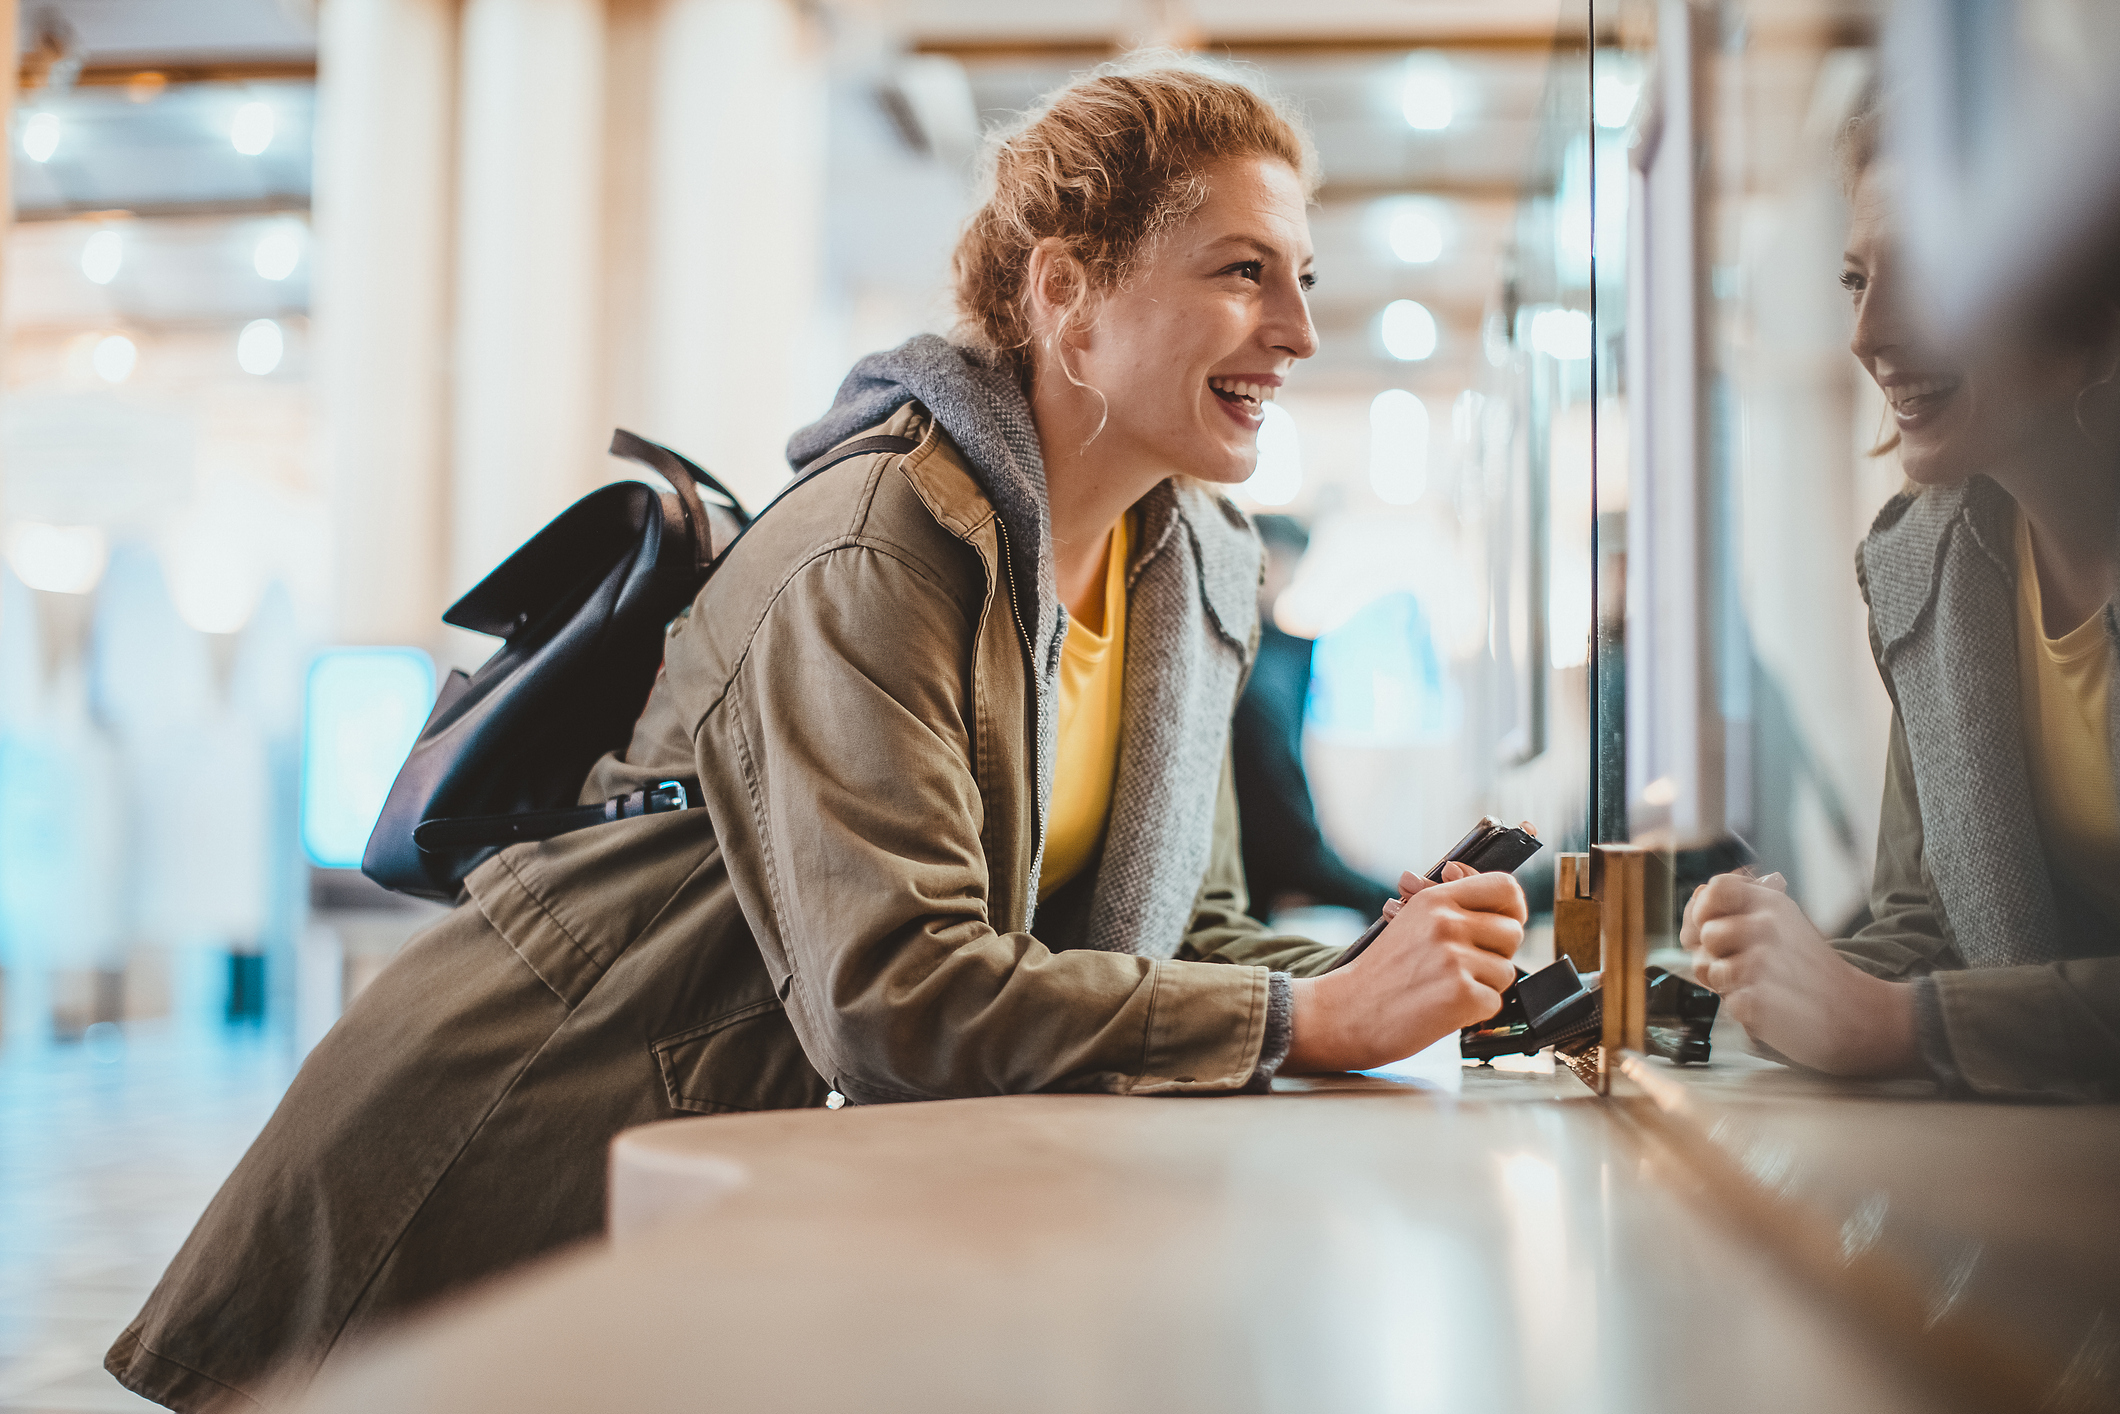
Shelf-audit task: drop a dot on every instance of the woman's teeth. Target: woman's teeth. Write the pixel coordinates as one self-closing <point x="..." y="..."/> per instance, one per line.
<point x="1920" y="396"/>
<point x="1236" y="391"/>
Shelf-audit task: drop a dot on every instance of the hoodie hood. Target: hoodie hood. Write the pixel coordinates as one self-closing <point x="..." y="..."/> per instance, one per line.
<point x="979" y="404"/>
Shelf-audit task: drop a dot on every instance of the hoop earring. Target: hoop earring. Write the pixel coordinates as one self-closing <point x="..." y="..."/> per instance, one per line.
<point x="2085" y="391"/>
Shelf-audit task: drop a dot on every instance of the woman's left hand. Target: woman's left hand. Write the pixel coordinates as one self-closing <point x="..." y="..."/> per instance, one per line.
<point x="1787" y="986"/>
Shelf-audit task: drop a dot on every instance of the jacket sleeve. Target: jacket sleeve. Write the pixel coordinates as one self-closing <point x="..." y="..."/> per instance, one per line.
<point x="2050" y="1031"/>
<point x="1905" y="936"/>
<point x="1222" y="929"/>
<point x="838" y="770"/>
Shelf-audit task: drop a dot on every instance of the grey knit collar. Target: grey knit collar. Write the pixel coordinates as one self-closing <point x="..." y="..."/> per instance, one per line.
<point x="1904" y="554"/>
<point x="1192" y="618"/>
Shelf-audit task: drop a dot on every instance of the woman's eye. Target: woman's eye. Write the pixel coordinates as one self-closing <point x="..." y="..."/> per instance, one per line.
<point x="1308" y="282"/>
<point x="1853" y="283"/>
<point x="1249" y="270"/>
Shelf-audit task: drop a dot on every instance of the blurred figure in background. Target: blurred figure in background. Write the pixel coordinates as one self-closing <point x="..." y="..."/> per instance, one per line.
<point x="1288" y="862"/>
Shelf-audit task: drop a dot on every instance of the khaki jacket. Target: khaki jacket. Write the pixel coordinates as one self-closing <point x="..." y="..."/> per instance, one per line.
<point x="2017" y="984"/>
<point x="847" y="911"/>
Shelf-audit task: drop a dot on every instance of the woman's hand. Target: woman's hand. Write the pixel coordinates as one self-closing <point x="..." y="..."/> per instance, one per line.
<point x="1787" y="986"/>
<point x="1441" y="963"/>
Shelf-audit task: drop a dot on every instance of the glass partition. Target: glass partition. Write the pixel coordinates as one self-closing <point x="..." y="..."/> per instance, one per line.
<point x="1858" y="483"/>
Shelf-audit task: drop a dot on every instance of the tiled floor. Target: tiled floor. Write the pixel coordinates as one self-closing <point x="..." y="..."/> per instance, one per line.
<point x="109" y="1149"/>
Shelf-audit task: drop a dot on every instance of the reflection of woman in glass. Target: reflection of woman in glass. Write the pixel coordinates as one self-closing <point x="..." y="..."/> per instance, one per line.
<point x="1991" y="958"/>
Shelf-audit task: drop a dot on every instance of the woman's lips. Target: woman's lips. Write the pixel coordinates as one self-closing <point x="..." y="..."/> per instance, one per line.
<point x="1917" y="403"/>
<point x="1243" y="414"/>
<point x="1244" y="401"/>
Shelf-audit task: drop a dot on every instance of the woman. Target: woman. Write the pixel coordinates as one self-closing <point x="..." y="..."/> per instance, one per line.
<point x="1990" y="963"/>
<point x="960" y="720"/>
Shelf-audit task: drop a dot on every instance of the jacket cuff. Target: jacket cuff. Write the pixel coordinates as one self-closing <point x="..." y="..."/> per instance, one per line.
<point x="1207" y="1029"/>
<point x="1933" y="1037"/>
<point x="1280" y="1030"/>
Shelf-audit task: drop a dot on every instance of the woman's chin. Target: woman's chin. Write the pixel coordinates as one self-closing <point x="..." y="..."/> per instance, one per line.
<point x="1933" y="467"/>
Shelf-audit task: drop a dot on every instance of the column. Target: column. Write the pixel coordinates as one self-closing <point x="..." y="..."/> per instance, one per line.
<point x="734" y="237"/>
<point x="526" y="435"/>
<point x="385" y="114"/>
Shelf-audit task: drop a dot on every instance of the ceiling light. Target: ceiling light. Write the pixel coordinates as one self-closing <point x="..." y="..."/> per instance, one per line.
<point x="279" y="250"/>
<point x="1280" y="471"/>
<point x="251" y="132"/>
<point x="1562" y="333"/>
<point x="102" y="256"/>
<point x="1416" y="238"/>
<point x="1408" y="330"/>
<point x="1612" y="101"/>
<point x="1425" y="93"/>
<point x="259" y="346"/>
<point x="1413" y="228"/>
<point x="40" y="137"/>
<point x="1398" y="447"/>
<point x="114" y="358"/>
<point x="59" y="559"/>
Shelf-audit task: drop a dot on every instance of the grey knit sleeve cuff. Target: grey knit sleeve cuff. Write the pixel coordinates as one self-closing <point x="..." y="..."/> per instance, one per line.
<point x="1930" y="1035"/>
<point x="1280" y="1030"/>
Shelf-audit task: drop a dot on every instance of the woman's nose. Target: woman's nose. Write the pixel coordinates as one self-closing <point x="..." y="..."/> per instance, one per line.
<point x="1875" y="322"/>
<point x="1290" y="328"/>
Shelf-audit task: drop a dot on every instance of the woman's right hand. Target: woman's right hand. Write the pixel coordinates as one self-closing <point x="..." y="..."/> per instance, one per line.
<point x="1442" y="963"/>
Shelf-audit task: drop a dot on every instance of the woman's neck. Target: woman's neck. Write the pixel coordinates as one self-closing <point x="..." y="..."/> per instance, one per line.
<point x="2072" y="502"/>
<point x="1092" y="477"/>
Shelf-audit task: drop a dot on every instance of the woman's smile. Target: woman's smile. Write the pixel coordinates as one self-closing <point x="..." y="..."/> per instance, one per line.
<point x="1244" y="396"/>
<point x="1919" y="400"/>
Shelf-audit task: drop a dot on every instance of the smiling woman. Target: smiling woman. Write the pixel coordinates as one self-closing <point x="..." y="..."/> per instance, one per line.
<point x="958" y="710"/>
<point x="1991" y="958"/>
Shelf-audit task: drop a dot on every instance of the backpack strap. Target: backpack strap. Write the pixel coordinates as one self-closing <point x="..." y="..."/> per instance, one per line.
<point x="456" y="832"/>
<point x="685" y="477"/>
<point x="845" y="451"/>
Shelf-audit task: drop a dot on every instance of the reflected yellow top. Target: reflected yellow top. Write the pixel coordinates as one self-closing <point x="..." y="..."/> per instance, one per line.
<point x="2063" y="684"/>
<point x="1092" y="674"/>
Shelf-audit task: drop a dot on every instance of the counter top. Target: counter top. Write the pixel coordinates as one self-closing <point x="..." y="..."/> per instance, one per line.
<point x="1348" y="1243"/>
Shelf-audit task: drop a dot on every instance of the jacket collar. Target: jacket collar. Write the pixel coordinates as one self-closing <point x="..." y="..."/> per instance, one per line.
<point x="1902" y="560"/>
<point x="1190" y="518"/>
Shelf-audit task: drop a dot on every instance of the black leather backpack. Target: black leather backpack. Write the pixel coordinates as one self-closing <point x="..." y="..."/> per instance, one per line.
<point x="582" y="608"/>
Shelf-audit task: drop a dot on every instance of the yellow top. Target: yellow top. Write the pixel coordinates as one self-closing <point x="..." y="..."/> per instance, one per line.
<point x="1092" y="675"/>
<point x="2062" y="682"/>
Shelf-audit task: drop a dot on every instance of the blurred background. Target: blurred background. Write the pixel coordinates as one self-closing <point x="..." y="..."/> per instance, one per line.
<point x="313" y="310"/>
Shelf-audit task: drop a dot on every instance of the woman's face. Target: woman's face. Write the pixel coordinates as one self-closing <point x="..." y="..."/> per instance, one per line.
<point x="1956" y="416"/>
<point x="1191" y="349"/>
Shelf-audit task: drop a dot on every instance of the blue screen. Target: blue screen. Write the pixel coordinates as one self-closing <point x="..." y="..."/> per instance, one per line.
<point x="364" y="710"/>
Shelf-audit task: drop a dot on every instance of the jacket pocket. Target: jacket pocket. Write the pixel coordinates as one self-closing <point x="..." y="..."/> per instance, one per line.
<point x="747" y="1059"/>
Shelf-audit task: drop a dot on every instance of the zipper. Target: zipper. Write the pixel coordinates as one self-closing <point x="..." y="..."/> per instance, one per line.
<point x="1008" y="572"/>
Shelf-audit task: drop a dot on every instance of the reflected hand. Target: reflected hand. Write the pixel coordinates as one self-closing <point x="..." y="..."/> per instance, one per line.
<point x="1787" y="986"/>
<point x="1441" y="963"/>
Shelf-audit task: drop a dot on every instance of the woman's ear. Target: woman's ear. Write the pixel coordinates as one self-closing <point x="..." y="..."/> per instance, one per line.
<point x="1054" y="287"/>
